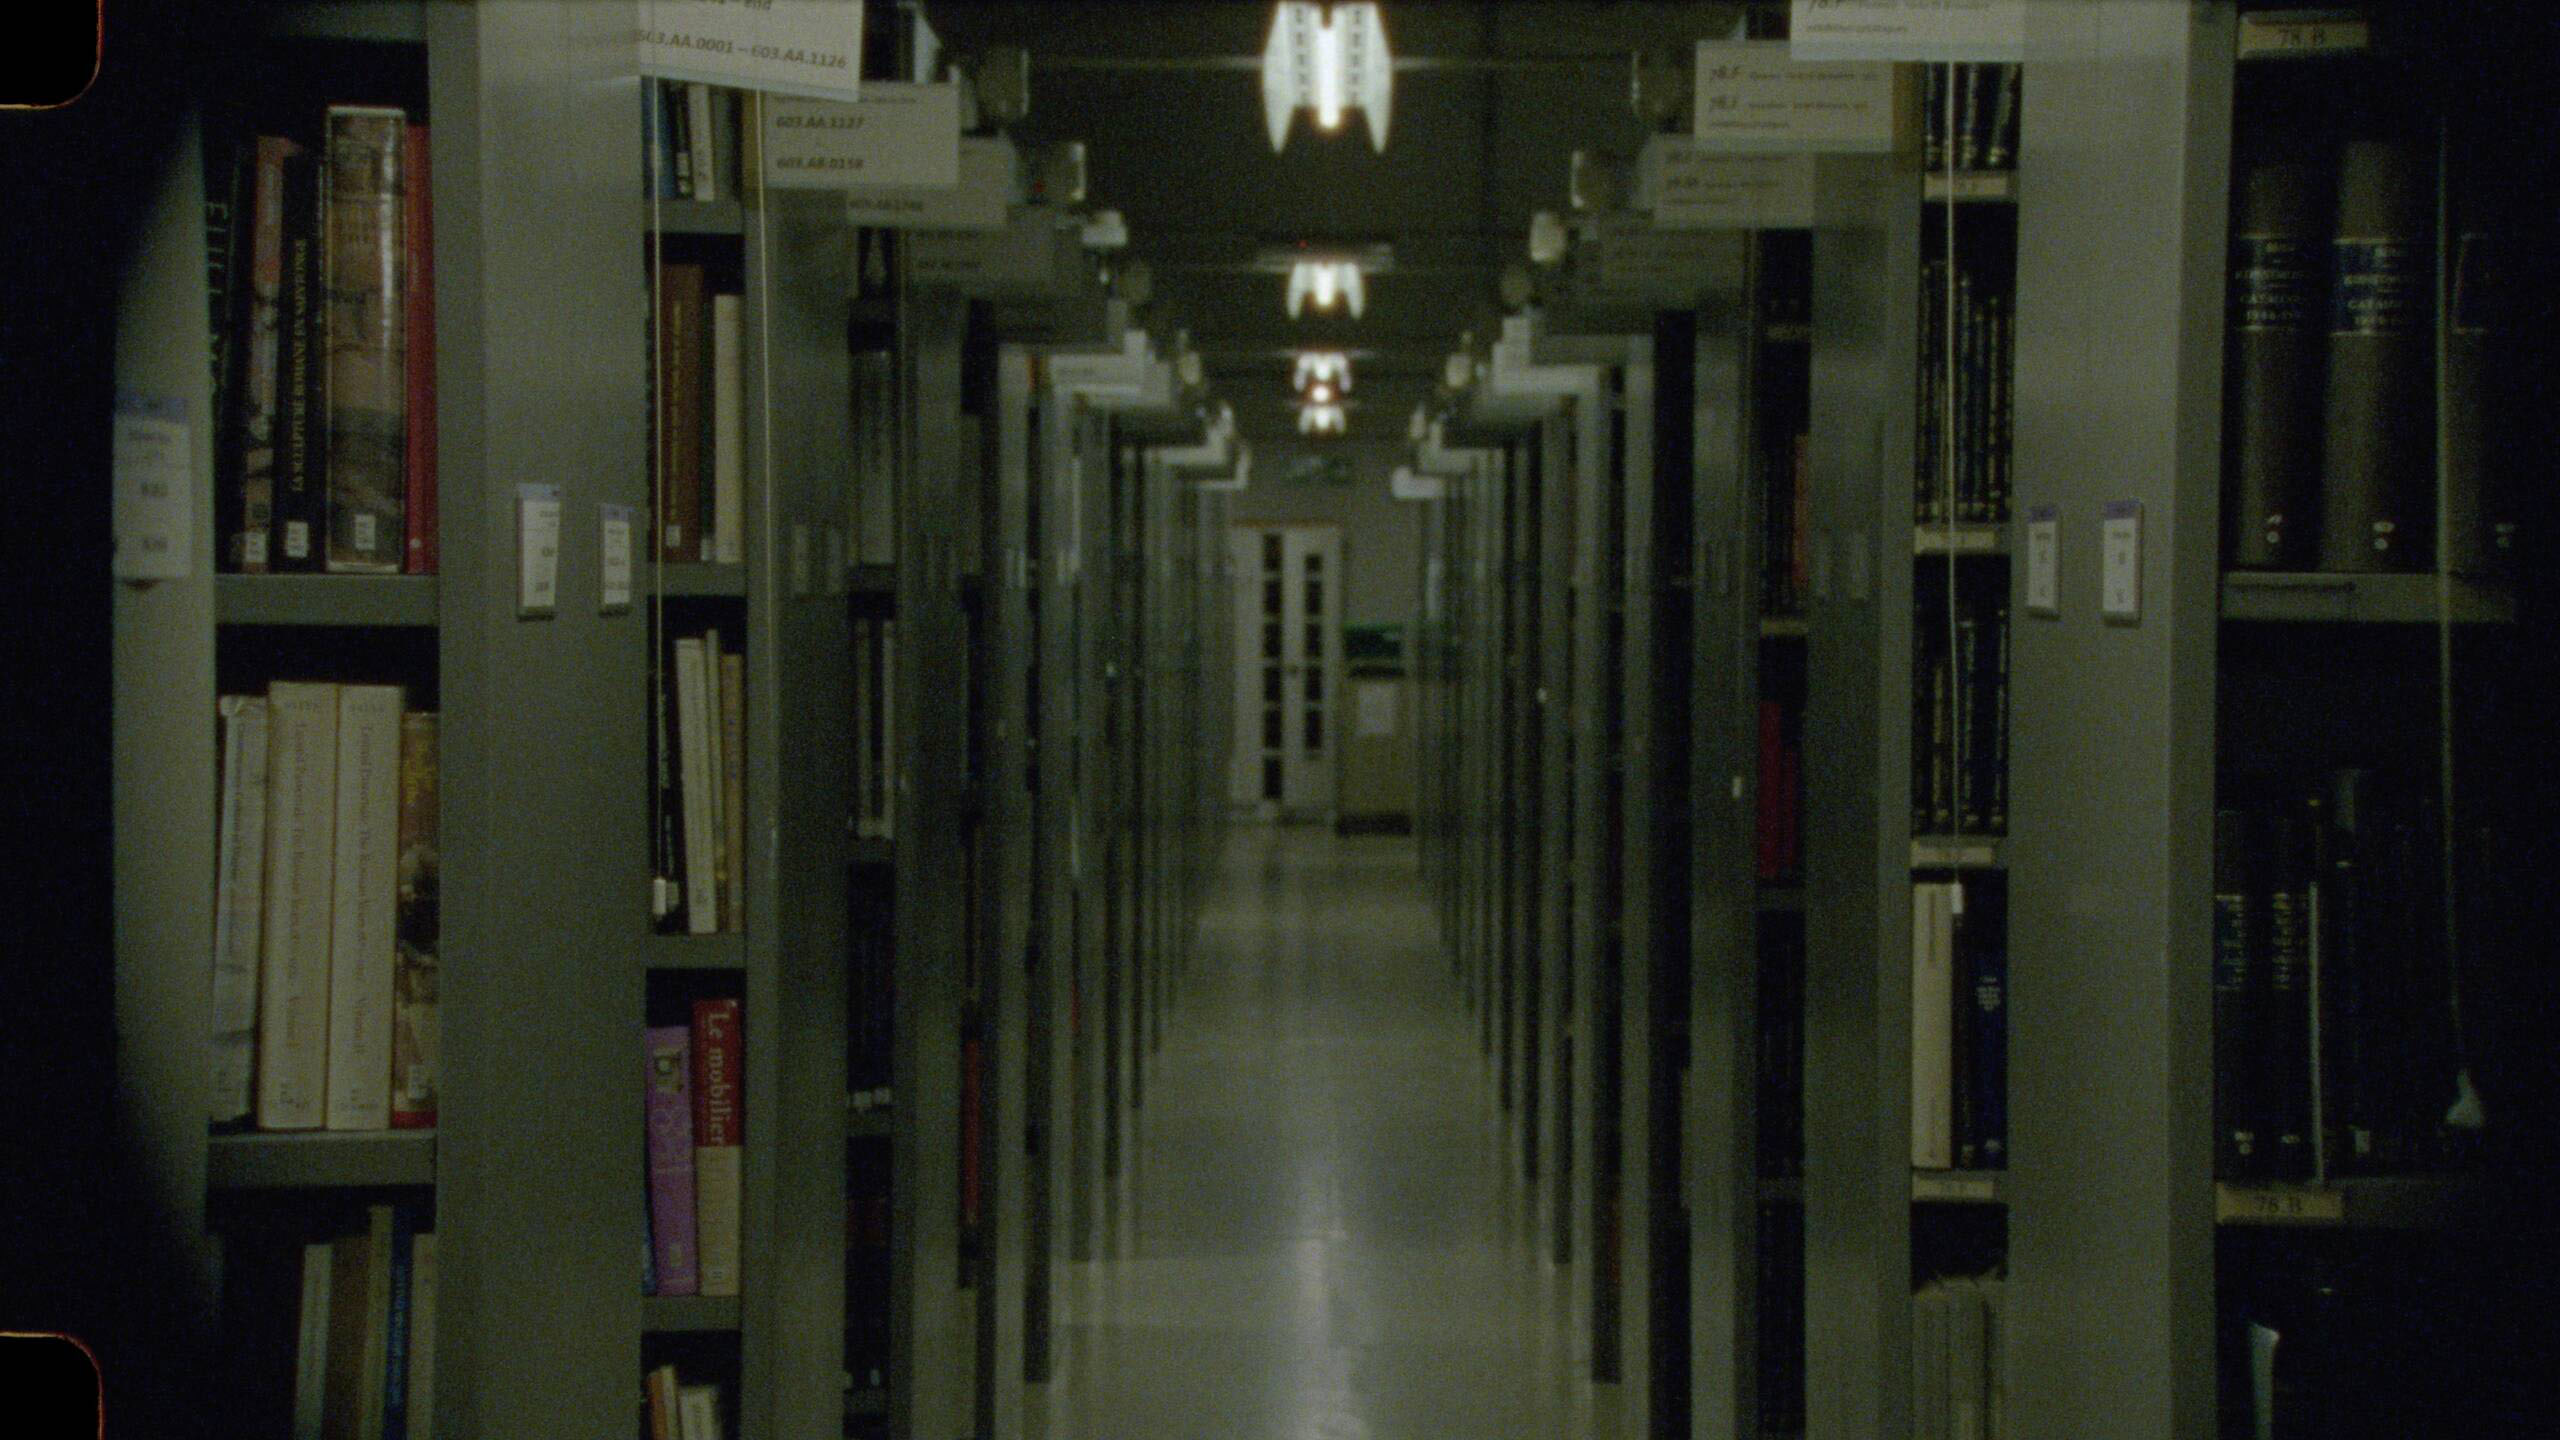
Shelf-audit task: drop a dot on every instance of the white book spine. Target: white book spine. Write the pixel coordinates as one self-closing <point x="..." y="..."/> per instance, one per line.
<point x="719" y="1195"/>
<point x="702" y="915"/>
<point x="728" y="429"/>
<point x="733" y="785"/>
<point x="716" y="776"/>
<point x="698" y="1412"/>
<point x="1932" y="1028"/>
<point x="239" y="905"/>
<point x="1968" y="1390"/>
<point x="364" y="912"/>
<point x="706" y="169"/>
<point x="293" y="971"/>
<point x="311" y="1355"/>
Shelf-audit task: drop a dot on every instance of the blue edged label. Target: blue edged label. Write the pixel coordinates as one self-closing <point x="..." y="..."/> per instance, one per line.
<point x="2275" y="283"/>
<point x="2380" y="289"/>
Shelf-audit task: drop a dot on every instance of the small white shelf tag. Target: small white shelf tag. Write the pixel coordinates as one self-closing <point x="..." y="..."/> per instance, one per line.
<point x="2120" y="550"/>
<point x="613" y="550"/>
<point x="2044" y="561"/>
<point x="537" y="551"/>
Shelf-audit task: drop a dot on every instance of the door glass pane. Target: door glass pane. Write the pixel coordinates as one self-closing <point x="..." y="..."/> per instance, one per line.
<point x="1271" y="778"/>
<point x="1271" y="552"/>
<point x="1315" y="730"/>
<point x="1315" y="597"/>
<point x="1271" y="684"/>
<point x="1315" y="686"/>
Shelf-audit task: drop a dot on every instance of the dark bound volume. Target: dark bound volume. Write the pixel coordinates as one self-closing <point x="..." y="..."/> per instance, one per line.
<point x="2236" y="992"/>
<point x="2480" y="442"/>
<point x="301" y="440"/>
<point x="362" y="234"/>
<point x="2272" y="471"/>
<point x="2284" y="1078"/>
<point x="2378" y="440"/>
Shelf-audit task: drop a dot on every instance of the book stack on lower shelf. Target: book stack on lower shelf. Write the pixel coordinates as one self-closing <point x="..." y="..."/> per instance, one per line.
<point x="1957" y="1388"/>
<point x="325" y="928"/>
<point x="698" y="752"/>
<point x="696" y="1128"/>
<point x="697" y="407"/>
<point x="695" y="138"/>
<point x="1969" y="116"/>
<point x="1960" y="702"/>
<point x="329" y="1326"/>
<point x="1959" y="1025"/>
<point x="674" y="1408"/>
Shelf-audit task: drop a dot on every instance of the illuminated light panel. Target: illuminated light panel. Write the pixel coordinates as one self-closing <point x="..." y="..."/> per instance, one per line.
<point x="1321" y="420"/>
<point x="1323" y="367"/>
<point x="1327" y="64"/>
<point x="1327" y="283"/>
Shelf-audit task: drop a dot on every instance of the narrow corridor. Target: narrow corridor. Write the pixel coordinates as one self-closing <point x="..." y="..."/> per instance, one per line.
<point x="1320" y="1240"/>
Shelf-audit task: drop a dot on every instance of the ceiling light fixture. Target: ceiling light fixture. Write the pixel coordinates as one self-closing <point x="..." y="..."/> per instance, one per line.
<point x="1327" y="63"/>
<point x="1322" y="367"/>
<point x="1327" y="283"/>
<point x="1320" y="420"/>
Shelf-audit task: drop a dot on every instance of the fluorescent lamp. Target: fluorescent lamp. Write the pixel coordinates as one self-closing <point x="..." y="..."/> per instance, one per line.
<point x="1322" y="367"/>
<point x="1327" y="64"/>
<point x="1320" y="420"/>
<point x="1326" y="282"/>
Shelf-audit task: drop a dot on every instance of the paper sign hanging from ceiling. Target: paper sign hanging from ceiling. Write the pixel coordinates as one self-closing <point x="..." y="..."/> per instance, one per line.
<point x="782" y="47"/>
<point x="1754" y="98"/>
<point x="1690" y="188"/>
<point x="978" y="202"/>
<point x="903" y="135"/>
<point x="1930" y="30"/>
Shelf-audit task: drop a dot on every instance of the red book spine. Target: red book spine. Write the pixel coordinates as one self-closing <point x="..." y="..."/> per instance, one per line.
<point x="719" y="1100"/>
<point x="419" y="266"/>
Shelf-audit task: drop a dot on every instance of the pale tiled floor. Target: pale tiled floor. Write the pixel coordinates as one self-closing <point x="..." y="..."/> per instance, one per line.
<point x="1319" y="1240"/>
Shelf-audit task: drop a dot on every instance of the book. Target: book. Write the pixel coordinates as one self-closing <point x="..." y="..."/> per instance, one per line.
<point x="239" y="904"/>
<point x="733" y="789"/>
<point x="2000" y="132"/>
<point x="363" y="921"/>
<point x="2377" y="438"/>
<point x="2239" y="986"/>
<point x="2283" y="1076"/>
<point x="719" y="1138"/>
<point x="678" y="429"/>
<point x="422" y="1335"/>
<point x="246" y="464"/>
<point x="293" y="967"/>
<point x="366" y="319"/>
<point x="715" y="777"/>
<point x="666" y="882"/>
<point x="700" y="151"/>
<point x="297" y="515"/>
<point x="1986" y="1061"/>
<point x="727" y="490"/>
<point x="2481" y="433"/>
<point x="2272" y="439"/>
<point x="659" y="1394"/>
<point x="1932" y="1026"/>
<point x="672" y="1231"/>
<point x="1929" y="1315"/>
<point x="694" y="762"/>
<point x="311" y="1355"/>
<point x="359" y="1330"/>
<point x="401" y="1257"/>
<point x="698" y="1406"/>
<point x="417" y="927"/>
<point x="418" y="364"/>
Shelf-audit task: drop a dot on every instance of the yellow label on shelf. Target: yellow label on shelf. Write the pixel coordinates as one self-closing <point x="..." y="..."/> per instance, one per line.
<point x="2303" y="32"/>
<point x="2279" y="1204"/>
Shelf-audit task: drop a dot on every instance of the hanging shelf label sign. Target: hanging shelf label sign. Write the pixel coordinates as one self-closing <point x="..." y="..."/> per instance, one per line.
<point x="1753" y="98"/>
<point x="1665" y="268"/>
<point x="782" y="47"/>
<point x="154" y="505"/>
<point x="1936" y="31"/>
<point x="895" y="135"/>
<point x="979" y="202"/>
<point x="1689" y="187"/>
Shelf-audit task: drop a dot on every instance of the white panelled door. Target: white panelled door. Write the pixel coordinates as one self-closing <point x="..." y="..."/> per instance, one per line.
<point x="1288" y="668"/>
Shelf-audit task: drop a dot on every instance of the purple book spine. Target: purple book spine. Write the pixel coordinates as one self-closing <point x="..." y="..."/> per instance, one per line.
<point x="671" y="1224"/>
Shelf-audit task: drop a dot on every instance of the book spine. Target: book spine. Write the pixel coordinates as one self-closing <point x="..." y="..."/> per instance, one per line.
<point x="422" y="1334"/>
<point x="715" y="777"/>
<point x="719" y="1134"/>
<point x="700" y="143"/>
<point x="1989" y="991"/>
<point x="1942" y="728"/>
<point x="2378" y="445"/>
<point x="229" y="187"/>
<point x="2000" y="148"/>
<point x="396" y="1331"/>
<point x="1933" y="117"/>
<point x="1932" y="1037"/>
<point x="1997" y="722"/>
<point x="253" y="402"/>
<point x="679" y="427"/>
<point x="367" y="311"/>
<point x="1965" y="482"/>
<point x="2480" y="436"/>
<point x="240" y="905"/>
<point x="653" y="123"/>
<point x="1768" y="798"/>
<point x="672" y="1231"/>
<point x="733" y="790"/>
<point x="2237" y="986"/>
<point x="2001" y="378"/>
<point x="414" y="1017"/>
<point x="293" y="974"/>
<point x="728" y="506"/>
<point x="679" y="138"/>
<point x="301" y="463"/>
<point x="693" y="745"/>
<point x="666" y="887"/>
<point x="363" y="927"/>
<point x="1964" y="1038"/>
<point x="311" y="1355"/>
<point x="2284" y="1082"/>
<point x="2276" y="285"/>
<point x="418" y="364"/>
<point x="1971" y="678"/>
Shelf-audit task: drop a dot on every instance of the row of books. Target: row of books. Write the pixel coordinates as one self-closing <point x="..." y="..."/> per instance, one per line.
<point x="1960" y="462"/>
<point x="1781" y="1038"/>
<point x="1959" y="1026"/>
<point x="697" y="410"/>
<point x="321" y="284"/>
<point x="698" y="765"/>
<point x="1960" y="713"/>
<point x="875" y="726"/>
<point x="1780" y="1336"/>
<point x="673" y="1408"/>
<point x="2330" y="402"/>
<point x="325" y="910"/>
<point x="2335" y="1049"/>
<point x="1958" y="1391"/>
<point x="1780" y="817"/>
<point x="1982" y="132"/>
<point x="695" y="139"/>
<point x="866" y="1273"/>
<point x="696" y="1111"/>
<point x="333" y="1338"/>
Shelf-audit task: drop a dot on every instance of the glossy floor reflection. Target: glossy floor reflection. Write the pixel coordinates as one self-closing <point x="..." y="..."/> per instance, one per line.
<point x="1319" y="1239"/>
